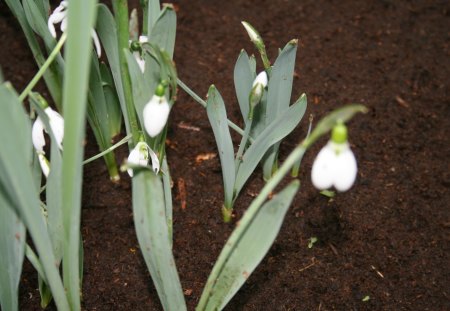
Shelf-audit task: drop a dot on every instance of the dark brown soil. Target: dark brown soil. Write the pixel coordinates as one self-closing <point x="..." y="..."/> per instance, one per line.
<point x="387" y="238"/>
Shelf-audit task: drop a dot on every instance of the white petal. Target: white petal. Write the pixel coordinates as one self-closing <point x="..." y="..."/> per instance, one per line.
<point x="155" y="160"/>
<point x="143" y="39"/>
<point x="138" y="156"/>
<point x="261" y="78"/>
<point x="96" y="43"/>
<point x="45" y="167"/>
<point x="323" y="168"/>
<point x="55" y="18"/>
<point x="64" y="25"/>
<point x="156" y="113"/>
<point x="345" y="171"/>
<point x="37" y="136"/>
<point x="57" y="125"/>
<point x="254" y="36"/>
<point x="139" y="61"/>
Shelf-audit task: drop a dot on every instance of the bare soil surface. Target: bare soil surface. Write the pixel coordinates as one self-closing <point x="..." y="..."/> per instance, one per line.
<point x="384" y="245"/>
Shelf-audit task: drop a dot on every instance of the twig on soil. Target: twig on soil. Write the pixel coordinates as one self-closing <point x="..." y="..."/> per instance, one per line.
<point x="401" y="102"/>
<point x="313" y="262"/>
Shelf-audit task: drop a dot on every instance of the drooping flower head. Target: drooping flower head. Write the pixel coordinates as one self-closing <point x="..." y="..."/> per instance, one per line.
<point x="137" y="51"/>
<point x="139" y="156"/>
<point x="59" y="15"/>
<point x="56" y="122"/>
<point x="156" y="112"/>
<point x="335" y="165"/>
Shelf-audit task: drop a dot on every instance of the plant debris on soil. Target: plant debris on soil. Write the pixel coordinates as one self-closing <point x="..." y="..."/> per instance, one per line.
<point x="383" y="245"/>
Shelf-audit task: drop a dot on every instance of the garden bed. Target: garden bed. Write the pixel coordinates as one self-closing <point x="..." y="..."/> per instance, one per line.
<point x="381" y="246"/>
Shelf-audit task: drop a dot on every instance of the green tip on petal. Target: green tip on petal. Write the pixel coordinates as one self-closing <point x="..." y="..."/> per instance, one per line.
<point x="160" y="90"/>
<point x="339" y="133"/>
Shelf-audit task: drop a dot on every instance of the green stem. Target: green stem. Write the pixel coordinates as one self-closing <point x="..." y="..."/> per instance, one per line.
<point x="43" y="68"/>
<point x="101" y="154"/>
<point x="296" y="167"/>
<point x="199" y="100"/>
<point x="243" y="144"/>
<point x="144" y="6"/>
<point x="120" y="8"/>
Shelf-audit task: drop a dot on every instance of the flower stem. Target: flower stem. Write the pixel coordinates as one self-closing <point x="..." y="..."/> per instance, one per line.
<point x="118" y="144"/>
<point x="43" y="68"/>
<point x="199" y="100"/>
<point x="120" y="8"/>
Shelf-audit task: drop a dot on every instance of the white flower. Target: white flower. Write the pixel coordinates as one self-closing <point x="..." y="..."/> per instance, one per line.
<point x="335" y="165"/>
<point x="259" y="84"/>
<point x="139" y="156"/>
<point x="56" y="122"/>
<point x="156" y="113"/>
<point x="137" y="55"/>
<point x="45" y="166"/>
<point x="59" y="15"/>
<point x="252" y="33"/>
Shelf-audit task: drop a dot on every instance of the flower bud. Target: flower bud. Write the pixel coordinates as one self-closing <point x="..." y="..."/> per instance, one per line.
<point x="156" y="113"/>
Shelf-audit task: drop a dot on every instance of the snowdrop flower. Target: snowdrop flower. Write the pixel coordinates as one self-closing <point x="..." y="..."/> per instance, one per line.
<point x="56" y="122"/>
<point x="256" y="94"/>
<point x="259" y="84"/>
<point x="139" y="156"/>
<point x="137" y="52"/>
<point x="59" y="15"/>
<point x="335" y="165"/>
<point x="156" y="112"/>
<point x="253" y="34"/>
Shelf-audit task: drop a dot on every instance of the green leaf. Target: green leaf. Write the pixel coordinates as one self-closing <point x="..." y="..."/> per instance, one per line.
<point x="38" y="21"/>
<point x="53" y="190"/>
<point x="150" y="221"/>
<point x="107" y="32"/>
<point x="217" y="116"/>
<point x="279" y="95"/>
<point x="277" y="130"/>
<point x="246" y="247"/>
<point x="167" y="182"/>
<point x="12" y="244"/>
<point x="154" y="11"/>
<point x="141" y="90"/>
<point x="243" y="81"/>
<point x="81" y="16"/>
<point x="164" y="30"/>
<point x="52" y="77"/>
<point x="112" y="101"/>
<point x="18" y="183"/>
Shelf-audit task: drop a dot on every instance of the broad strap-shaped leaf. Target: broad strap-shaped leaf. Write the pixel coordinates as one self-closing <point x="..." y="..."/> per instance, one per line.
<point x="244" y="250"/>
<point x="112" y="101"/>
<point x="17" y="181"/>
<point x="243" y="81"/>
<point x="278" y="96"/>
<point x="217" y="116"/>
<point x="107" y="32"/>
<point x="12" y="244"/>
<point x="154" y="10"/>
<point x="277" y="130"/>
<point x="38" y="21"/>
<point x="53" y="191"/>
<point x="78" y="51"/>
<point x="150" y="221"/>
<point x="280" y="82"/>
<point x="163" y="31"/>
<point x="52" y="80"/>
